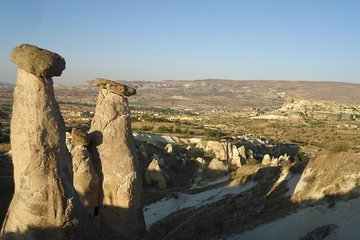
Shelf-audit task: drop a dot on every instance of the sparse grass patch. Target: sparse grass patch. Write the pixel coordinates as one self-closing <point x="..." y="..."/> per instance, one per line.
<point x="338" y="146"/>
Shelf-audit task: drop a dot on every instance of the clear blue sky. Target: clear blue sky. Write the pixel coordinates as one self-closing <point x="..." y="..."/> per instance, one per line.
<point x="188" y="39"/>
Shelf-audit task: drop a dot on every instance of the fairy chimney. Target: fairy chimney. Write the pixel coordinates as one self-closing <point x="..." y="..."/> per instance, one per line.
<point x="112" y="147"/>
<point x="86" y="180"/>
<point x="45" y="204"/>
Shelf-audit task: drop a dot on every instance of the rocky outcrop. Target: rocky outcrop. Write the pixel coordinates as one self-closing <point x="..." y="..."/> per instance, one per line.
<point x="219" y="149"/>
<point x="45" y="204"/>
<point x="238" y="154"/>
<point x="216" y="169"/>
<point x="224" y="151"/>
<point x="169" y="148"/>
<point x="155" y="175"/>
<point x="266" y="160"/>
<point x="86" y="180"/>
<point x="113" y="149"/>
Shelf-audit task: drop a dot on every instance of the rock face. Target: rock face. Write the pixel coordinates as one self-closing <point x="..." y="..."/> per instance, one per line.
<point x="45" y="204"/>
<point x="113" y="149"/>
<point x="86" y="180"/>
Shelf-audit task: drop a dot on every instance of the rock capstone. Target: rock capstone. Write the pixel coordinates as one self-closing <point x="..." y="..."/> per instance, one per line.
<point x="79" y="137"/>
<point x="115" y="87"/>
<point x="37" y="61"/>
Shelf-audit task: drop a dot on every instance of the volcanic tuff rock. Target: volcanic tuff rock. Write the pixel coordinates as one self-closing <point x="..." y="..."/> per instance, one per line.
<point x="45" y="204"/>
<point x="37" y="61"/>
<point x="216" y="169"/>
<point x="115" y="87"/>
<point x="155" y="175"/>
<point x="79" y="137"/>
<point x="266" y="160"/>
<point x="86" y="180"/>
<point x="113" y="149"/>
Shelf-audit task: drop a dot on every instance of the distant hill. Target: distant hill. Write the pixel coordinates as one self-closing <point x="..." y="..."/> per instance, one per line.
<point x="218" y="94"/>
<point x="233" y="94"/>
<point x="5" y="84"/>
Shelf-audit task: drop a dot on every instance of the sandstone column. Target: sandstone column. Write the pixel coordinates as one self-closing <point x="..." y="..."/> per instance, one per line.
<point x="113" y="148"/>
<point x="45" y="205"/>
<point x="86" y="181"/>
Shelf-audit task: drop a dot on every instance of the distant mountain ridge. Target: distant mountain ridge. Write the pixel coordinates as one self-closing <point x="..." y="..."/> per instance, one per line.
<point x="337" y="91"/>
<point x="218" y="94"/>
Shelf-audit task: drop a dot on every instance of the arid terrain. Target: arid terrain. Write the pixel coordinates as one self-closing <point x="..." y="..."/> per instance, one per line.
<point x="226" y="159"/>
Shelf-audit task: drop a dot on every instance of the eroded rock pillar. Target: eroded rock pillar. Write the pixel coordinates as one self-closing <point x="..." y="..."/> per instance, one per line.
<point x="113" y="148"/>
<point x="45" y="204"/>
<point x="86" y="181"/>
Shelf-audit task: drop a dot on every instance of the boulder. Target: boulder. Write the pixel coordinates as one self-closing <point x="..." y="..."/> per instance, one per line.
<point x="112" y="149"/>
<point x="250" y="154"/>
<point x="266" y="160"/>
<point x="169" y="148"/>
<point x="274" y="162"/>
<point x="154" y="175"/>
<point x="284" y="159"/>
<point x="242" y="152"/>
<point x="219" y="150"/>
<point x="216" y="169"/>
<point x="200" y="161"/>
<point x="68" y="143"/>
<point x="236" y="157"/>
<point x="45" y="204"/>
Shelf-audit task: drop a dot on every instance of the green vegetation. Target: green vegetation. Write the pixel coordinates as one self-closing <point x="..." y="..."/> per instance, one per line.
<point x="146" y="128"/>
<point x="213" y="134"/>
<point x="301" y="157"/>
<point x="149" y="118"/>
<point x="165" y="129"/>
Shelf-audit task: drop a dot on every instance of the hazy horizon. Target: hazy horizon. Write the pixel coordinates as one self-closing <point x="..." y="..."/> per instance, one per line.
<point x="188" y="40"/>
<point x="205" y="79"/>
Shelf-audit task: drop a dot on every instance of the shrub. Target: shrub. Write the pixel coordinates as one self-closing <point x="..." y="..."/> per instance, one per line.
<point x="134" y="119"/>
<point x="251" y="161"/>
<point x="154" y="119"/>
<point x="213" y="134"/>
<point x="301" y="157"/>
<point x="165" y="129"/>
<point x="146" y="128"/>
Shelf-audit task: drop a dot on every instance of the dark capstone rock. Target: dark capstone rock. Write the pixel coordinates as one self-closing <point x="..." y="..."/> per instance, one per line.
<point x="79" y="137"/>
<point x="37" y="61"/>
<point x="115" y="87"/>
